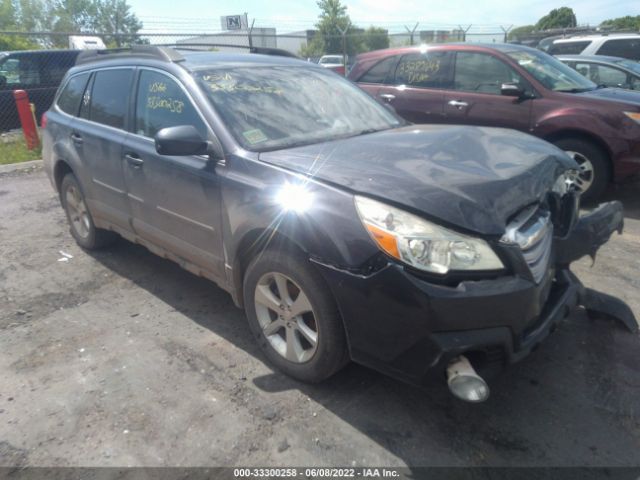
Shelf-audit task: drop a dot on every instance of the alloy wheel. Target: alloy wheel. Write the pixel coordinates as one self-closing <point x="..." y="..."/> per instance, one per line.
<point x="77" y="210"/>
<point x="286" y="317"/>
<point x="586" y="175"/>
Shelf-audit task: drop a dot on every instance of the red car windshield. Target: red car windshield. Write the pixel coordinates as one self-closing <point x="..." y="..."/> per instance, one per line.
<point x="552" y="73"/>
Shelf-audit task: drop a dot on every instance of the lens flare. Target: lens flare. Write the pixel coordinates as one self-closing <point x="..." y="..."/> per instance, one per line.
<point x="294" y="198"/>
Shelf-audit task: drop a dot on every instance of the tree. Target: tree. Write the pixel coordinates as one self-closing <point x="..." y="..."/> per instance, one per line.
<point x="112" y="19"/>
<point x="518" y="32"/>
<point x="115" y="19"/>
<point x="332" y="21"/>
<point x="7" y="15"/>
<point x="622" y="23"/>
<point x="9" y="20"/>
<point x="375" y="38"/>
<point x="562" y="17"/>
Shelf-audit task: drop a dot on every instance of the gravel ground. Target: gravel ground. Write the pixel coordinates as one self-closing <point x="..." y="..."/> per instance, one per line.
<point x="120" y="358"/>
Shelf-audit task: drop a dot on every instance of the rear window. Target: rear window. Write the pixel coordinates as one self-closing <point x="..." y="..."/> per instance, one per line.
<point x="69" y="100"/>
<point x="110" y="97"/>
<point x="623" y="47"/>
<point x="568" y="48"/>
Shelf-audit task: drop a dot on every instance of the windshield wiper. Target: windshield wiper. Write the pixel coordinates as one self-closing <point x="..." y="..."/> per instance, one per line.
<point x="576" y="90"/>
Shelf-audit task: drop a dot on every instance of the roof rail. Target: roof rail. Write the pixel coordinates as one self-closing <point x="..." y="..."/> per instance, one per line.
<point x="144" y="51"/>
<point x="198" y="47"/>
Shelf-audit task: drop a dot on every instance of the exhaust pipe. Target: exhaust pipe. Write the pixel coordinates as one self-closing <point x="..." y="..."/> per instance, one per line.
<point x="464" y="382"/>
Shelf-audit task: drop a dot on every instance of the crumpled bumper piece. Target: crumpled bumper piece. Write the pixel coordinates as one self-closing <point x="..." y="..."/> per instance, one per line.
<point x="590" y="232"/>
<point x="602" y="304"/>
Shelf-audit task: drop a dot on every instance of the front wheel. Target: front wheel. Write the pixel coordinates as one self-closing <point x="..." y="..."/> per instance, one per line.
<point x="594" y="172"/>
<point x="293" y="316"/>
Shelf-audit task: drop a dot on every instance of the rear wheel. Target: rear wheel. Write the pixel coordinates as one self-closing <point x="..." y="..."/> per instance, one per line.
<point x="82" y="227"/>
<point x="294" y="317"/>
<point x="594" y="174"/>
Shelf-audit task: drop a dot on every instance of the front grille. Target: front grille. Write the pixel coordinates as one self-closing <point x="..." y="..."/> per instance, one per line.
<point x="532" y="231"/>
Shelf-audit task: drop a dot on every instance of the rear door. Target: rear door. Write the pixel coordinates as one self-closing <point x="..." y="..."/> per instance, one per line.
<point x="98" y="135"/>
<point x="475" y="98"/>
<point x="175" y="200"/>
<point x="417" y="90"/>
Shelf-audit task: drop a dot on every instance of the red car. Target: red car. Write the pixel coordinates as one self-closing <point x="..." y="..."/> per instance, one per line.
<point x="515" y="87"/>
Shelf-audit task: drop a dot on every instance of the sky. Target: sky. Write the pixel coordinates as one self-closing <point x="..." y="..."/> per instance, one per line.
<point x="291" y="15"/>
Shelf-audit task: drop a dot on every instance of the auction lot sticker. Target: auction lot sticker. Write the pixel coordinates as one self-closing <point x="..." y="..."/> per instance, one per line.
<point x="255" y="136"/>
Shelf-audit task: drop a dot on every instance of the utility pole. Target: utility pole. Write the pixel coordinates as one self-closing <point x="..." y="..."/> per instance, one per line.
<point x="506" y="31"/>
<point x="411" y="32"/>
<point x="251" y="32"/>
<point x="343" y="33"/>
<point x="464" y="32"/>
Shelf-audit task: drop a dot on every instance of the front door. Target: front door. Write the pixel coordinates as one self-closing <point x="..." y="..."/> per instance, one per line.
<point x="175" y="201"/>
<point x="475" y="98"/>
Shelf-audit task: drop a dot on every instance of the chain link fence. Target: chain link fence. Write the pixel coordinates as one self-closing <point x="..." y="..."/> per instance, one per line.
<point x="37" y="61"/>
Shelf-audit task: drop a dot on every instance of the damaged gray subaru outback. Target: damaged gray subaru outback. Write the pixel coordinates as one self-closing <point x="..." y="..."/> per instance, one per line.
<point x="424" y="252"/>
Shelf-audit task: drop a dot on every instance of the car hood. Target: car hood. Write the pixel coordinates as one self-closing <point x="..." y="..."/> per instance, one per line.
<point x="474" y="178"/>
<point x="616" y="94"/>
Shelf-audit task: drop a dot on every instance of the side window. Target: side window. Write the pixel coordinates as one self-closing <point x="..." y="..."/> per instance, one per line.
<point x="56" y="64"/>
<point x="85" y="103"/>
<point x="623" y="47"/>
<point x="162" y="103"/>
<point x="482" y="73"/>
<point x="612" y="77"/>
<point x="584" y="69"/>
<point x="568" y="48"/>
<point x="379" y="73"/>
<point x="9" y="70"/>
<point x="426" y="70"/>
<point x="109" y="97"/>
<point x="69" y="99"/>
<point x="24" y="70"/>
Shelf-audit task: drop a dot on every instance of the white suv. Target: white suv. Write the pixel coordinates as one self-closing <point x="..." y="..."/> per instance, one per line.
<point x="614" y="45"/>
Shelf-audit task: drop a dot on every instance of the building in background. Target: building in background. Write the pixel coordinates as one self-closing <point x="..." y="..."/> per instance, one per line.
<point x="294" y="41"/>
<point x="233" y="41"/>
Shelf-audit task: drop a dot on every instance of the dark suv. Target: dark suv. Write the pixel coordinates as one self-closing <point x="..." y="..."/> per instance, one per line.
<point x="342" y="231"/>
<point x="515" y="87"/>
<point x="38" y="72"/>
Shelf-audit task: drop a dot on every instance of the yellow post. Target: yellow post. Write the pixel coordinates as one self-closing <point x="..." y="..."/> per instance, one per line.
<point x="35" y="122"/>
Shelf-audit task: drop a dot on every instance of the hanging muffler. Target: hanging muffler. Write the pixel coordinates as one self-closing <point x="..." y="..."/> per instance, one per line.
<point x="464" y="382"/>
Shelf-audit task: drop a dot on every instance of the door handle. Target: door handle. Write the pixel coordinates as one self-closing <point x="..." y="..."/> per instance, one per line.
<point x="133" y="160"/>
<point x="458" y="104"/>
<point x="387" y="96"/>
<point x="75" y="138"/>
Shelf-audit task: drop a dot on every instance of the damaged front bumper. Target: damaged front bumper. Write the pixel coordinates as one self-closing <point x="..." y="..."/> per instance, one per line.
<point x="409" y="327"/>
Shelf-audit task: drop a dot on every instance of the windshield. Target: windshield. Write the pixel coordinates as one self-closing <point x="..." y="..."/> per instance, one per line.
<point x="332" y="59"/>
<point x="629" y="65"/>
<point x="551" y="72"/>
<point x="268" y="108"/>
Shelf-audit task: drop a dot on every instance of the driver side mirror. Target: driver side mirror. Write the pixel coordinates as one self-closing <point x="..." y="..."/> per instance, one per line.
<point x="512" y="90"/>
<point x="182" y="140"/>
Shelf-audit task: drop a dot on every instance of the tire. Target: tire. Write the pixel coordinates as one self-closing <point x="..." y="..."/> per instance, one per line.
<point x="585" y="153"/>
<point x="80" y="221"/>
<point x="311" y="364"/>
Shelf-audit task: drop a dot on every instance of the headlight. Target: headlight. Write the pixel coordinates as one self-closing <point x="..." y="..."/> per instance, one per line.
<point x="423" y="244"/>
<point x="633" y="116"/>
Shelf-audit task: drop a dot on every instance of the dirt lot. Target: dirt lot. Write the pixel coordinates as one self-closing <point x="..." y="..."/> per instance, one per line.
<point x="121" y="358"/>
